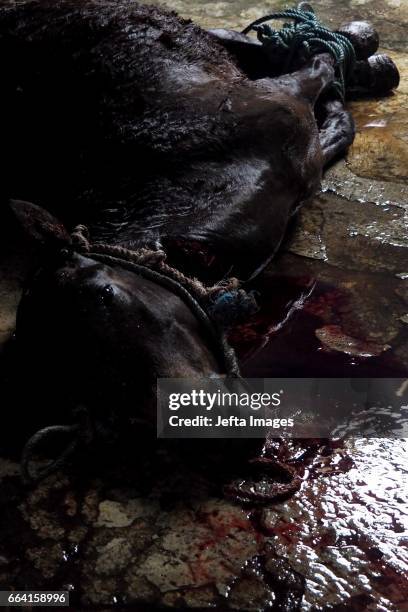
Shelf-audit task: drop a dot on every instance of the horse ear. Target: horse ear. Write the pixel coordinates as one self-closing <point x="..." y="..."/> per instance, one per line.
<point x="39" y="224"/>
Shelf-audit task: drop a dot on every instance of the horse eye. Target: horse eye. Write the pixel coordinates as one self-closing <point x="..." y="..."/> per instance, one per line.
<point x="107" y="293"/>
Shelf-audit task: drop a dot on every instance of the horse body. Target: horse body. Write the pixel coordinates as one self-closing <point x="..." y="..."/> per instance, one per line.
<point x="140" y="124"/>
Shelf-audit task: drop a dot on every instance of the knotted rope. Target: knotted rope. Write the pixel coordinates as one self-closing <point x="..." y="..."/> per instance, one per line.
<point x="151" y="264"/>
<point x="307" y="35"/>
<point x="225" y="300"/>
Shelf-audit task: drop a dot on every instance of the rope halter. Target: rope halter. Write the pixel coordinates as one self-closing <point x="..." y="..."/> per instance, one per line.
<point x="205" y="302"/>
<point x="306" y="34"/>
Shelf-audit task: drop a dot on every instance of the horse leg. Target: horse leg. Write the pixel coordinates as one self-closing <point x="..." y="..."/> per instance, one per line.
<point x="336" y="127"/>
<point x="337" y="130"/>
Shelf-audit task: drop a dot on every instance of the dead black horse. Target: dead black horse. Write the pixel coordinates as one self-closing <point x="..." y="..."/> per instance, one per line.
<point x="161" y="138"/>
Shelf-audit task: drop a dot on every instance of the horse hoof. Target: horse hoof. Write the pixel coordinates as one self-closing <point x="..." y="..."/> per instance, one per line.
<point x="384" y="74"/>
<point x="363" y="37"/>
<point x="375" y="77"/>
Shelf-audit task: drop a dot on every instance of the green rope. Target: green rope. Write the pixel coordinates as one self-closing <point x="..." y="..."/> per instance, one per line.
<point x="306" y="33"/>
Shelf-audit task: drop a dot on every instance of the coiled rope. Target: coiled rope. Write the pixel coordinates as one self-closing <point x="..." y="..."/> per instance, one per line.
<point x="305" y="34"/>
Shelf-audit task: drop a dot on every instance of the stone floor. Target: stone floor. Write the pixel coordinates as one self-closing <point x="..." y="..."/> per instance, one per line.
<point x="161" y="533"/>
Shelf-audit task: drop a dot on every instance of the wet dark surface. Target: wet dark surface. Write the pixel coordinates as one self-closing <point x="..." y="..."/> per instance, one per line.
<point x="308" y="326"/>
<point x="148" y="526"/>
<point x="158" y="532"/>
